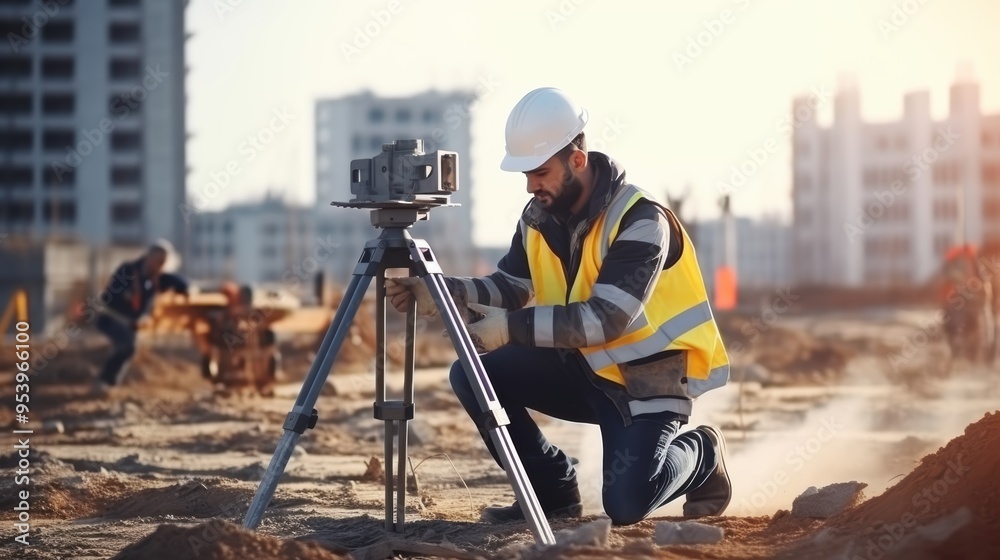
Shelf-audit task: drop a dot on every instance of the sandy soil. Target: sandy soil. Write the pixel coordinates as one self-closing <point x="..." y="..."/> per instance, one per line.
<point x="165" y="466"/>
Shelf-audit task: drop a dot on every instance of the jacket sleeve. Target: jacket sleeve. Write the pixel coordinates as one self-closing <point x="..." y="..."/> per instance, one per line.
<point x="119" y="283"/>
<point x="509" y="287"/>
<point x="173" y="282"/>
<point x="624" y="285"/>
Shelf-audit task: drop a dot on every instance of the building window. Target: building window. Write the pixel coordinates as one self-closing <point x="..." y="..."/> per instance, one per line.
<point x="58" y="32"/>
<point x="130" y="176"/>
<point x="57" y="67"/>
<point x="16" y="140"/>
<point x="62" y="178"/>
<point x="404" y="115"/>
<point x="58" y="140"/>
<point x="941" y="243"/>
<point x="122" y="105"/>
<point x="126" y="212"/>
<point x="376" y="115"/>
<point x="269" y="229"/>
<point x="947" y="173"/>
<point x="991" y="209"/>
<point x="16" y="212"/>
<point x="945" y="209"/>
<point x="991" y="174"/>
<point x="375" y="143"/>
<point x="122" y="141"/>
<point x="123" y="3"/>
<point x="59" y="212"/>
<point x="429" y="116"/>
<point x="16" y="104"/>
<point x="15" y="66"/>
<point x="268" y="252"/>
<point x="58" y="103"/>
<point x="901" y="143"/>
<point x="120" y="68"/>
<point x="123" y="32"/>
<point x="16" y="176"/>
<point x="8" y="26"/>
<point x="899" y="211"/>
<point x="227" y="227"/>
<point x="356" y="142"/>
<point x="227" y="251"/>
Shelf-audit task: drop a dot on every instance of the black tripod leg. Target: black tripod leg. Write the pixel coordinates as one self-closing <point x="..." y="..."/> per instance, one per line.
<point x="303" y="414"/>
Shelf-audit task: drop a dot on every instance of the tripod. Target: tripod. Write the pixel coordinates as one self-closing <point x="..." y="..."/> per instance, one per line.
<point x="394" y="248"/>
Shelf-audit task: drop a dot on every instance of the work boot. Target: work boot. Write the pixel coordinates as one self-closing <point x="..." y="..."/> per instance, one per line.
<point x="713" y="496"/>
<point x="567" y="505"/>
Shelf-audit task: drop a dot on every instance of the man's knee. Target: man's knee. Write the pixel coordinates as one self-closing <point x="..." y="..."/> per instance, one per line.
<point x="459" y="380"/>
<point x="125" y="349"/>
<point x="624" y="511"/>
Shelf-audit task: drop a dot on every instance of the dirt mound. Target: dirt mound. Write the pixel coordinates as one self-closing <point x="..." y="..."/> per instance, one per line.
<point x="219" y="540"/>
<point x="948" y="507"/>
<point x="790" y="355"/>
<point x="57" y="491"/>
<point x="199" y="498"/>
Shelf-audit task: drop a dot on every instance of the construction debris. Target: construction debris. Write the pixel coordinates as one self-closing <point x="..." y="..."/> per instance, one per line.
<point x="687" y="532"/>
<point x="829" y="500"/>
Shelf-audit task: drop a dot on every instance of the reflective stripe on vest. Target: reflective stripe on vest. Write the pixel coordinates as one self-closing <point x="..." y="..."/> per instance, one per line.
<point x="677" y="315"/>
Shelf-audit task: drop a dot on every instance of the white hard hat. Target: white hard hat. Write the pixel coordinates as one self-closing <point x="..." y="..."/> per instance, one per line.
<point x="173" y="260"/>
<point x="543" y="122"/>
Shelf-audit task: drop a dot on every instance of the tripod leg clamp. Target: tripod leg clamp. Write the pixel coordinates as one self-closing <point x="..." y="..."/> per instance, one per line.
<point x="299" y="422"/>
<point x="393" y="410"/>
<point x="493" y="418"/>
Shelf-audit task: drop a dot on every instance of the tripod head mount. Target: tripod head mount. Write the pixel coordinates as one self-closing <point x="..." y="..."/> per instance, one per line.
<point x="394" y="214"/>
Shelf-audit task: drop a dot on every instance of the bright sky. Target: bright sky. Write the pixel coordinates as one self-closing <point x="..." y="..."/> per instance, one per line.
<point x="678" y="122"/>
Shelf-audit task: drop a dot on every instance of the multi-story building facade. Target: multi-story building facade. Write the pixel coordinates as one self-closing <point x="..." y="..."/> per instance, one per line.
<point x="92" y="127"/>
<point x="881" y="203"/>
<point x="268" y="242"/>
<point x="355" y="127"/>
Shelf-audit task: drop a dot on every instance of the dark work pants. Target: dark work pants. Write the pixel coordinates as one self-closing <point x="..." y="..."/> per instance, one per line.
<point x="122" y="339"/>
<point x="646" y="464"/>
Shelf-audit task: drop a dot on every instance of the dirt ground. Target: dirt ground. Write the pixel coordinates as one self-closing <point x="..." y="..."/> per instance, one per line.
<point x="165" y="465"/>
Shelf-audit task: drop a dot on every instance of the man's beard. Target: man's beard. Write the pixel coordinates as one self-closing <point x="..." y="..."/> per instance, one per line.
<point x="572" y="189"/>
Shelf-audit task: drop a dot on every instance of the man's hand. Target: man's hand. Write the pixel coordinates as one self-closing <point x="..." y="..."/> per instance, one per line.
<point x="490" y="332"/>
<point x="399" y="291"/>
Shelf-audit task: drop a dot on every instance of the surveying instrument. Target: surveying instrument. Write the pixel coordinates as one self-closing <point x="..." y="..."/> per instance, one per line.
<point x="400" y="186"/>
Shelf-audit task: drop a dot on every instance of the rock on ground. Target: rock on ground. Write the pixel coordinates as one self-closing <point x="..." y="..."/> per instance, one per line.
<point x="829" y="500"/>
<point x="686" y="532"/>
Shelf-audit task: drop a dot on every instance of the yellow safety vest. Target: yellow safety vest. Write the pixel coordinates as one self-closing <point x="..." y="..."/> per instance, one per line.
<point x="677" y="316"/>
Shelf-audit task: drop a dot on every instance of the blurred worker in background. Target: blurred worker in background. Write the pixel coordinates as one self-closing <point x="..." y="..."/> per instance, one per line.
<point x="127" y="298"/>
<point x="621" y="334"/>
<point x="966" y="296"/>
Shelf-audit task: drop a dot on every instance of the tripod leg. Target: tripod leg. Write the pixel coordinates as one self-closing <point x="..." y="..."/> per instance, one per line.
<point x="395" y="423"/>
<point x="489" y="404"/>
<point x="403" y="434"/>
<point x="380" y="392"/>
<point x="303" y="415"/>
